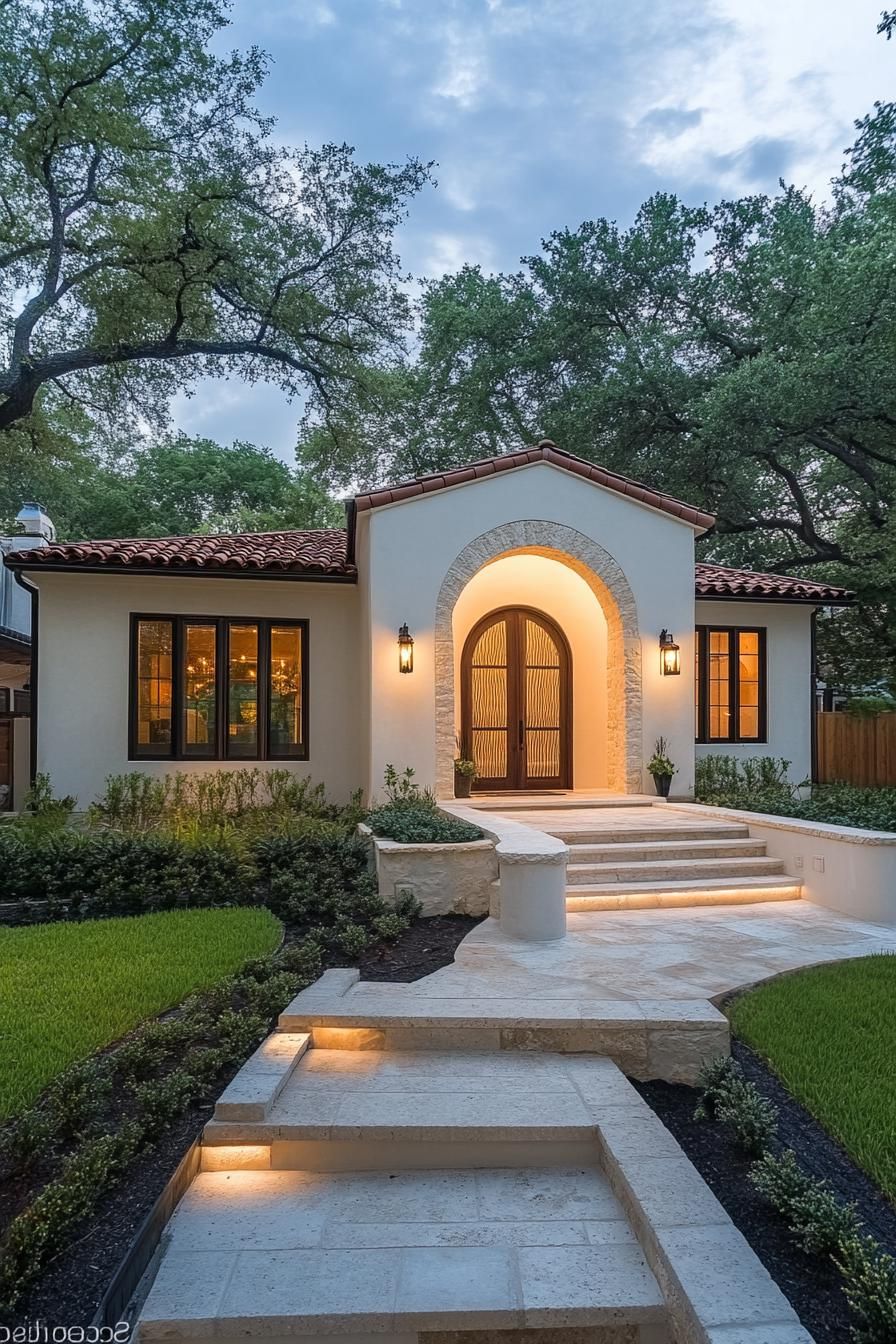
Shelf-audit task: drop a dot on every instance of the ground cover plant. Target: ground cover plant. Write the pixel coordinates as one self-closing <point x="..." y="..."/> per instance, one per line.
<point x="60" y="1157"/>
<point x="151" y="844"/>
<point x="819" y="1222"/>
<point x="233" y="838"/>
<point x="69" y="989"/>
<point x="829" y="1032"/>
<point x="412" y="816"/>
<point x="760" y="784"/>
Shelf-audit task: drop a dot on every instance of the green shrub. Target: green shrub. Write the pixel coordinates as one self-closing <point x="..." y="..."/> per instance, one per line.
<point x="714" y="1079"/>
<point x="215" y="804"/>
<point x="161" y="1100"/>
<point x="420" y="824"/>
<point x="42" y="1228"/>
<point x="869" y="1282"/>
<point x="819" y="1221"/>
<point x="727" y="1096"/>
<point x="269" y="997"/>
<point x="750" y="1115"/>
<point x="389" y="927"/>
<point x="727" y="781"/>
<point x="25" y="1140"/>
<point x="759" y="784"/>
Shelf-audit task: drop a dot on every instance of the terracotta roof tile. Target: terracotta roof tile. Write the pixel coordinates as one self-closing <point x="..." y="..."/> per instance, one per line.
<point x="319" y="553"/>
<point x="722" y="581"/>
<point x="546" y="451"/>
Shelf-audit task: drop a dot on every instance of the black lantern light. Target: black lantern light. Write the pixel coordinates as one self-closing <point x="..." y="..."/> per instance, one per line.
<point x="670" y="655"/>
<point x="405" y="650"/>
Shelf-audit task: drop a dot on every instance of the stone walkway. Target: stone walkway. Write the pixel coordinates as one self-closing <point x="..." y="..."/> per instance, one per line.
<point x="476" y="1195"/>
<point x="461" y="1160"/>
<point x="693" y="953"/>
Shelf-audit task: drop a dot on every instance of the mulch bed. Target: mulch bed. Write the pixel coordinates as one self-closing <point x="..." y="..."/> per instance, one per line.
<point x="71" y="1290"/>
<point x="811" y="1284"/>
<point x="427" y="946"/>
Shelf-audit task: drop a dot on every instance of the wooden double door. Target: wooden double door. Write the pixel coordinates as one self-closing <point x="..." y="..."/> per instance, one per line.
<point x="515" y="701"/>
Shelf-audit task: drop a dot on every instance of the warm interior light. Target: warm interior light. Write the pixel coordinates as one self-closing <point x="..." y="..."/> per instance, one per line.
<point x="670" y="655"/>
<point x="405" y="650"/>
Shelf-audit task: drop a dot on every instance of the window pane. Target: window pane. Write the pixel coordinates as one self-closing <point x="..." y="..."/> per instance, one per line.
<point x="200" y="692"/>
<point x="155" y="641"/>
<point x="748" y="673"/>
<point x="242" y="690"/>
<point x="719" y="685"/>
<point x="286" y="690"/>
<point x="749" y="721"/>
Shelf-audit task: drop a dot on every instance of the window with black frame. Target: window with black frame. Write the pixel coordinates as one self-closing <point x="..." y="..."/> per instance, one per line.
<point x="218" y="688"/>
<point x="731" y="692"/>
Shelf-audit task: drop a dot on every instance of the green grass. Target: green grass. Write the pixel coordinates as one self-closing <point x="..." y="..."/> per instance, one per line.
<point x="830" y="1034"/>
<point x="68" y="989"/>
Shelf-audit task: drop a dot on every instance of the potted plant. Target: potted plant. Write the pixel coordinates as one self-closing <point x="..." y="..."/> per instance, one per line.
<point x="464" y="772"/>
<point x="661" y="767"/>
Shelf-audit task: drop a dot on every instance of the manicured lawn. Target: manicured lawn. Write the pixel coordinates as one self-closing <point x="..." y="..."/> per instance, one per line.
<point x="68" y="989"/>
<point x="830" y="1034"/>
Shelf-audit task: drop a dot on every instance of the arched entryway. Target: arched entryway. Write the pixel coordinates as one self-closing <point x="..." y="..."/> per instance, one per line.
<point x="605" y="578"/>
<point x="516" y="712"/>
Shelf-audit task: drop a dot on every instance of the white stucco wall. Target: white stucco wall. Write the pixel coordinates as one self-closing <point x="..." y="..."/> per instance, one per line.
<point x="83" y="671"/>
<point x="411" y="546"/>
<point x="789" y="663"/>
<point x="552" y="588"/>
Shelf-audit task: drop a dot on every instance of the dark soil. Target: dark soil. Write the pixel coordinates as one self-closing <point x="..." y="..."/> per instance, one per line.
<point x="811" y="1284"/>
<point x="426" y="947"/>
<point x="72" y="1288"/>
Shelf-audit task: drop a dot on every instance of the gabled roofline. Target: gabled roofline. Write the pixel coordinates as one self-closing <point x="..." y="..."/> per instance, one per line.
<point x="544" y="451"/>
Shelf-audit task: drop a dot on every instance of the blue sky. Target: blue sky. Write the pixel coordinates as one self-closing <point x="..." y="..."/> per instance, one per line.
<point x="543" y="113"/>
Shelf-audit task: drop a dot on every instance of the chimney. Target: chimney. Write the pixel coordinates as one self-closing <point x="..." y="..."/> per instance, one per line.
<point x="35" y="522"/>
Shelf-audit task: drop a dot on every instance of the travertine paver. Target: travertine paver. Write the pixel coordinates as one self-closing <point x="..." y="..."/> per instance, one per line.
<point x="693" y="953"/>
<point x="410" y="1250"/>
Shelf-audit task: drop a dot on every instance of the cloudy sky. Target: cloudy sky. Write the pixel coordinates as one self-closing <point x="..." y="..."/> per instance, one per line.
<point x="543" y="113"/>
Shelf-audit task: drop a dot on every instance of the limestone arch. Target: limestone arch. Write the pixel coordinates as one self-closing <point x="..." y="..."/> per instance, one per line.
<point x="611" y="588"/>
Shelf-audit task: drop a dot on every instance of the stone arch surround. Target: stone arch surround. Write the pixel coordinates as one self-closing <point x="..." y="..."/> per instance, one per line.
<point x="611" y="588"/>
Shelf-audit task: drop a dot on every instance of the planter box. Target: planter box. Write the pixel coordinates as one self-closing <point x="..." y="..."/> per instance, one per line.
<point x="445" y="879"/>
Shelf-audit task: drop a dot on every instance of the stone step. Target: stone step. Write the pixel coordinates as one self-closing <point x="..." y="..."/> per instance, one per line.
<point x="288" y="1254"/>
<point x="370" y="1098"/>
<point x="671" y="870"/>
<point x="698" y="891"/>
<point x="662" y="849"/>
<point x="632" y="835"/>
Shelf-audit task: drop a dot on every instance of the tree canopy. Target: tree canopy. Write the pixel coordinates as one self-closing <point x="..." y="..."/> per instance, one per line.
<point x="151" y="229"/>
<point x="741" y="356"/>
<point x="171" y="486"/>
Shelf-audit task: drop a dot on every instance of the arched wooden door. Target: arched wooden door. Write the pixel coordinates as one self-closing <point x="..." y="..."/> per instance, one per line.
<point x="515" y="701"/>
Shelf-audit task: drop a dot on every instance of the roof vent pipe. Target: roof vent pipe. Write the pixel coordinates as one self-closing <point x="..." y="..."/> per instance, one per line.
<point x="35" y="522"/>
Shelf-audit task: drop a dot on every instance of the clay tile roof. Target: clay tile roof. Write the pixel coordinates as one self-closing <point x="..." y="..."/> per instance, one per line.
<point x="545" y="451"/>
<point x="320" y="553"/>
<point x="721" y="581"/>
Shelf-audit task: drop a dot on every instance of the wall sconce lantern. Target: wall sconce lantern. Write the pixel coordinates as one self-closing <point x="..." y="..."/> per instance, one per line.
<point x="670" y="655"/>
<point x="405" y="650"/>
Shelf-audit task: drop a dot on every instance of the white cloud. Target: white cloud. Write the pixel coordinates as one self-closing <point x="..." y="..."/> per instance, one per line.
<point x="789" y="75"/>
<point x="464" y="71"/>
<point x="450" y="251"/>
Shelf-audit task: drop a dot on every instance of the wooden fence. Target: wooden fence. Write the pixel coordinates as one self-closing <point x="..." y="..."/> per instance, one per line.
<point x="859" y="751"/>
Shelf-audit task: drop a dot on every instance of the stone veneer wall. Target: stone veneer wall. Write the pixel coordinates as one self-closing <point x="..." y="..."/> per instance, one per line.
<point x="611" y="588"/>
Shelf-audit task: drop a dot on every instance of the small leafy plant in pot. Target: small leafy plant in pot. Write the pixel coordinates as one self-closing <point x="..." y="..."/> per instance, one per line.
<point x="661" y="767"/>
<point x="464" y="772"/>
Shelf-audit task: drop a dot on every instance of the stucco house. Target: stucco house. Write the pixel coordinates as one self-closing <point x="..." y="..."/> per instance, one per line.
<point x="546" y="612"/>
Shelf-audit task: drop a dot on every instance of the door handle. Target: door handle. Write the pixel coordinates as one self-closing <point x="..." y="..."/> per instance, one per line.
<point x="522" y="737"/>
